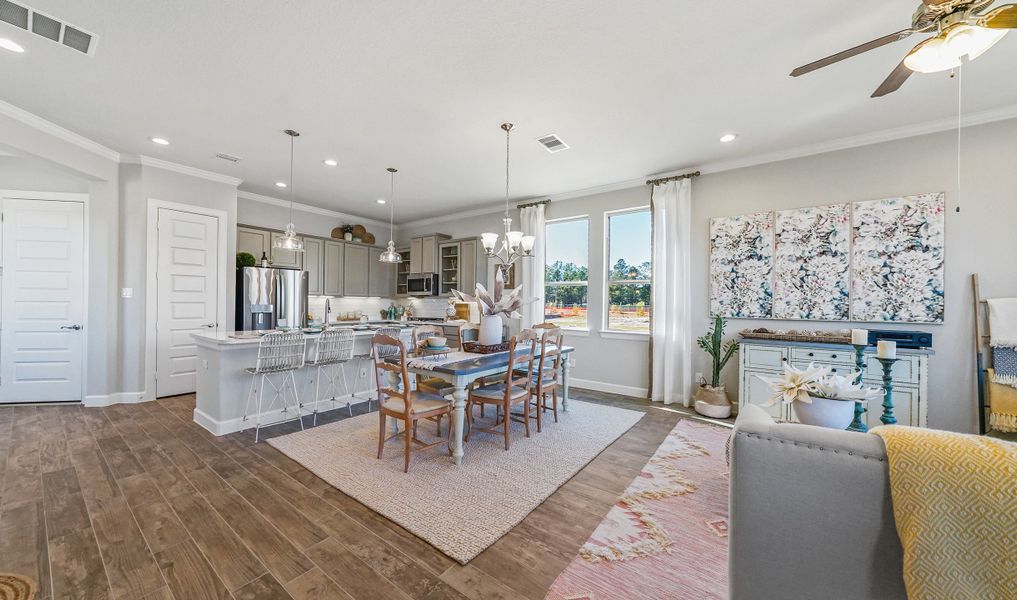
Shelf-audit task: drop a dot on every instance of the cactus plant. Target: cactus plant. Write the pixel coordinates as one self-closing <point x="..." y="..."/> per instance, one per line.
<point x="713" y="344"/>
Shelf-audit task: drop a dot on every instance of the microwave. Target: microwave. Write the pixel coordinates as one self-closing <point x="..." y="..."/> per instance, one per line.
<point x="422" y="284"/>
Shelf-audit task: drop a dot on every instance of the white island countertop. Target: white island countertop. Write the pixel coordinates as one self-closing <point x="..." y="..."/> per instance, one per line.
<point x="251" y="338"/>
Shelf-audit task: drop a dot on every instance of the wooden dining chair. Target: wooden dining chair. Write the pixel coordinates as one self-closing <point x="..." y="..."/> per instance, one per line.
<point x="545" y="376"/>
<point x="400" y="401"/>
<point x="513" y="390"/>
<point x="431" y="385"/>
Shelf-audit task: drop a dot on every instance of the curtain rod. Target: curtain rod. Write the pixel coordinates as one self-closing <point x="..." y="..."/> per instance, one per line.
<point x="529" y="204"/>
<point x="664" y="180"/>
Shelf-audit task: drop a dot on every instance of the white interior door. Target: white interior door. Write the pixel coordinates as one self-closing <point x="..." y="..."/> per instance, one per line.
<point x="187" y="291"/>
<point x="42" y="301"/>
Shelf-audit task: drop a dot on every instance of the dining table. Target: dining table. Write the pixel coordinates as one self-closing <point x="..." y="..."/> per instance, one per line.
<point x="462" y="369"/>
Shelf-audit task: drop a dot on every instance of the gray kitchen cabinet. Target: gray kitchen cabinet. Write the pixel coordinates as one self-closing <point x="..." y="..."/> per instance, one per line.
<point x="428" y="252"/>
<point x="314" y="249"/>
<point x="469" y="262"/>
<point x="285" y="259"/>
<point x="416" y="244"/>
<point x="356" y="270"/>
<point x="254" y="241"/>
<point x="332" y="271"/>
<point x="380" y="276"/>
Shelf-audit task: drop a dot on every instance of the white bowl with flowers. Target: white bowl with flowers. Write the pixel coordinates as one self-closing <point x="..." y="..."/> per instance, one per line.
<point x="819" y="396"/>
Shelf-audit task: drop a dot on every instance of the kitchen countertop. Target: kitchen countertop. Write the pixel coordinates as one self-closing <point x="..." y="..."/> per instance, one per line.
<point x="225" y="338"/>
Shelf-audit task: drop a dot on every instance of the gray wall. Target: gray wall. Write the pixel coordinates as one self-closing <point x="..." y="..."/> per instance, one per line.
<point x="979" y="239"/>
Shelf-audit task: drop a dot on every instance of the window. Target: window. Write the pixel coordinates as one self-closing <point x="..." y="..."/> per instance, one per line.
<point x="566" y="272"/>
<point x="629" y="270"/>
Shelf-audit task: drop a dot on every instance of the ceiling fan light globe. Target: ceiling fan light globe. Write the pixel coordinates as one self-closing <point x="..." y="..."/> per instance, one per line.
<point x="932" y="56"/>
<point x="987" y="38"/>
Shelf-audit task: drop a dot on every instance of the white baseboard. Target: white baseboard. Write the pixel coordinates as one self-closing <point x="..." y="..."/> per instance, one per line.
<point x="611" y="388"/>
<point x="117" y="398"/>
<point x="268" y="418"/>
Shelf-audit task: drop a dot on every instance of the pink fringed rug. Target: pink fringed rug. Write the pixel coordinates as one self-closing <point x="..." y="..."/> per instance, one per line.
<point x="667" y="535"/>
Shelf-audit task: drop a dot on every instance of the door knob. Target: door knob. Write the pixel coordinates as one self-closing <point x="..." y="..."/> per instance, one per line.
<point x="74" y="327"/>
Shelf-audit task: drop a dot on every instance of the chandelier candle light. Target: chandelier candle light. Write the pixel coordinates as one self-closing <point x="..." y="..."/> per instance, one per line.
<point x="289" y="240"/>
<point x="390" y="255"/>
<point x="515" y="245"/>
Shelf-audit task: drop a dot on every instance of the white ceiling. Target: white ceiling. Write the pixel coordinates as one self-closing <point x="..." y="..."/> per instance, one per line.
<point x="633" y="87"/>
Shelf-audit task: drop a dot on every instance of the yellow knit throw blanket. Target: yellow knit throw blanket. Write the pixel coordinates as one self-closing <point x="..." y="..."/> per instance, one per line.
<point x="1002" y="404"/>
<point x="955" y="504"/>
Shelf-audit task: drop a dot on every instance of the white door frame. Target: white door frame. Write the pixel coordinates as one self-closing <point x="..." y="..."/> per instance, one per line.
<point x="84" y="199"/>
<point x="151" y="282"/>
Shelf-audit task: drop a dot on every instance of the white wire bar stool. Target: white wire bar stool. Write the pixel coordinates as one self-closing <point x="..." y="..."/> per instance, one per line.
<point x="332" y="350"/>
<point x="279" y="355"/>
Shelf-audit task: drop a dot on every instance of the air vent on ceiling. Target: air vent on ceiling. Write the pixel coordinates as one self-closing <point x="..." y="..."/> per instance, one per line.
<point x="46" y="26"/>
<point x="553" y="143"/>
<point x="229" y="157"/>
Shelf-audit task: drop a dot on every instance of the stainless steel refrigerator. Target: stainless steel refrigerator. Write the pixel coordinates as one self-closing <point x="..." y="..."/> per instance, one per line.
<point x="271" y="299"/>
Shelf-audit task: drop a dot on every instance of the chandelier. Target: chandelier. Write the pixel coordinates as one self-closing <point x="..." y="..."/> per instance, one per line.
<point x="515" y="245"/>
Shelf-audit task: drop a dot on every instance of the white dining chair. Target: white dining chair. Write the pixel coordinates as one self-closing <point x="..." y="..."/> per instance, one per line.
<point x="279" y="355"/>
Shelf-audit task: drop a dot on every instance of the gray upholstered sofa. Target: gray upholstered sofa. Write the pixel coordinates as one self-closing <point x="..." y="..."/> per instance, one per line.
<point x="811" y="515"/>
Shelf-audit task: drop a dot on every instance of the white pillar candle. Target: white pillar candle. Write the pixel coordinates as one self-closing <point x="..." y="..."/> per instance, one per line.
<point x="886" y="349"/>
<point x="860" y="337"/>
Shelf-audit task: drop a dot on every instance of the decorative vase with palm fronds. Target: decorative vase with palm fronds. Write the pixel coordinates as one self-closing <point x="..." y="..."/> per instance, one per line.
<point x="493" y="306"/>
<point x="711" y="399"/>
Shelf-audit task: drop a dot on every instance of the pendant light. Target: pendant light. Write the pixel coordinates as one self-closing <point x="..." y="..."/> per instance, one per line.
<point x="515" y="245"/>
<point x="390" y="255"/>
<point x="289" y="240"/>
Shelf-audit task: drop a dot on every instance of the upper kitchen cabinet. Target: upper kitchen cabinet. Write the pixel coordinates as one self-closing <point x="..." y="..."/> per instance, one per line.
<point x="424" y="253"/>
<point x="356" y="270"/>
<point x="314" y="250"/>
<point x="462" y="264"/>
<point x="254" y="241"/>
<point x="333" y="255"/>
<point x="286" y="259"/>
<point x="381" y="276"/>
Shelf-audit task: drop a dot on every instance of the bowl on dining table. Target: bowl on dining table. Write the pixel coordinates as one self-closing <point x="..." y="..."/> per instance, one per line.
<point x="436" y="342"/>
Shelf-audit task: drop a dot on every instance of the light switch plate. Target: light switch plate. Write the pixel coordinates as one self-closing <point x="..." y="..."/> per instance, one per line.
<point x="126" y="292"/>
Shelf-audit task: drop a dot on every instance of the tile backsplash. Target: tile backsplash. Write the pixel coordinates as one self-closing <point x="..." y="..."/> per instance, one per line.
<point x="422" y="307"/>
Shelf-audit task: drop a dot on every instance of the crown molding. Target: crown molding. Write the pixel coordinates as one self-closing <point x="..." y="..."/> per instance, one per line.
<point x="32" y="120"/>
<point x="165" y="165"/>
<point x="459" y="214"/>
<point x="865" y="139"/>
<point x="316" y="210"/>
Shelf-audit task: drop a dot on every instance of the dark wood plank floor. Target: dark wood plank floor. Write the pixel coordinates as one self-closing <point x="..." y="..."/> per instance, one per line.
<point x="138" y="502"/>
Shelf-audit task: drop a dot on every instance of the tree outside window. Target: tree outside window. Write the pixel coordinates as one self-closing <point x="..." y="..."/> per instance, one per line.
<point x="629" y="274"/>
<point x="566" y="272"/>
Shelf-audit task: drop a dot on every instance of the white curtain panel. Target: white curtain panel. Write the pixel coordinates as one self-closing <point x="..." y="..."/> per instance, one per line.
<point x="533" y="220"/>
<point x="671" y="358"/>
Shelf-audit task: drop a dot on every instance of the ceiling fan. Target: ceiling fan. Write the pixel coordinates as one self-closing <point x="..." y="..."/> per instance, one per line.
<point x="960" y="27"/>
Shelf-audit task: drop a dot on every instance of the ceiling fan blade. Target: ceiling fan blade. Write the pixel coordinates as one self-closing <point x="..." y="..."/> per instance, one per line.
<point x="829" y="60"/>
<point x="1004" y="17"/>
<point x="894" y="81"/>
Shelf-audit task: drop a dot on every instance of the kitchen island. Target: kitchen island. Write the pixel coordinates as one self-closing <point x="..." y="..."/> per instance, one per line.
<point x="223" y="385"/>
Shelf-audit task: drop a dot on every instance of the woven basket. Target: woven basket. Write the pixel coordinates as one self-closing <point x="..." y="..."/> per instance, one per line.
<point x="798" y="337"/>
<point x="481" y="349"/>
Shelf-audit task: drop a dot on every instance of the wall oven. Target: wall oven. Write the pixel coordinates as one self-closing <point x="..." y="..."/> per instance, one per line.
<point x="422" y="284"/>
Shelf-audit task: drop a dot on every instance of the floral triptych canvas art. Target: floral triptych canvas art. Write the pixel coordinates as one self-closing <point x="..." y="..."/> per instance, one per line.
<point x="879" y="260"/>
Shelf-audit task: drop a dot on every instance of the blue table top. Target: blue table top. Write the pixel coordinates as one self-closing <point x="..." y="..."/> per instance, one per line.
<point x="483" y="363"/>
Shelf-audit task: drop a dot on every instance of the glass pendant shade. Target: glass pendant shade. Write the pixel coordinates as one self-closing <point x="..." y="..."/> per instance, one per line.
<point x="489" y="240"/>
<point x="514" y="239"/>
<point x="528" y="241"/>
<point x="390" y="255"/>
<point x="289" y="240"/>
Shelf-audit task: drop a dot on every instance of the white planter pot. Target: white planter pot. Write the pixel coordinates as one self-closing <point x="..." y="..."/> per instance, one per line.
<point x="490" y="330"/>
<point x="824" y="412"/>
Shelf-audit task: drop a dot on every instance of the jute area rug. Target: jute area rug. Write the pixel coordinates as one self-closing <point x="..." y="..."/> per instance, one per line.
<point x="16" y="587"/>
<point x="458" y="510"/>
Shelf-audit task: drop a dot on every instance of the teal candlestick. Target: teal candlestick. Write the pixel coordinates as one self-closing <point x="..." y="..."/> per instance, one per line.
<point x="887" y="417"/>
<point x="858" y="424"/>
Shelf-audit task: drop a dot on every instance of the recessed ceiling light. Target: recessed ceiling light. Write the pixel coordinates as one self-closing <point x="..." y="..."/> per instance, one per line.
<point x="280" y="184"/>
<point x="381" y="201"/>
<point x="728" y="137"/>
<point x="160" y="141"/>
<point x="11" y="45"/>
<point x="331" y="162"/>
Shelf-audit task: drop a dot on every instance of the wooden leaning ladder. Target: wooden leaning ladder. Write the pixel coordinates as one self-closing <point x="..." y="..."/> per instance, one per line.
<point x="981" y="341"/>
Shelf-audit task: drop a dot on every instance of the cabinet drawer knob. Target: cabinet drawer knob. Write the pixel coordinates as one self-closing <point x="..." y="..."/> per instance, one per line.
<point x="833" y="370"/>
<point x="783" y="359"/>
<point x="833" y="356"/>
<point x="811" y="354"/>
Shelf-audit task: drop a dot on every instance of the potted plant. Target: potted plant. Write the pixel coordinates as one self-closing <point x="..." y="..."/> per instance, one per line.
<point x="819" y="397"/>
<point x="493" y="306"/>
<point x="711" y="399"/>
<point x="347" y="230"/>
<point x="245" y="259"/>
